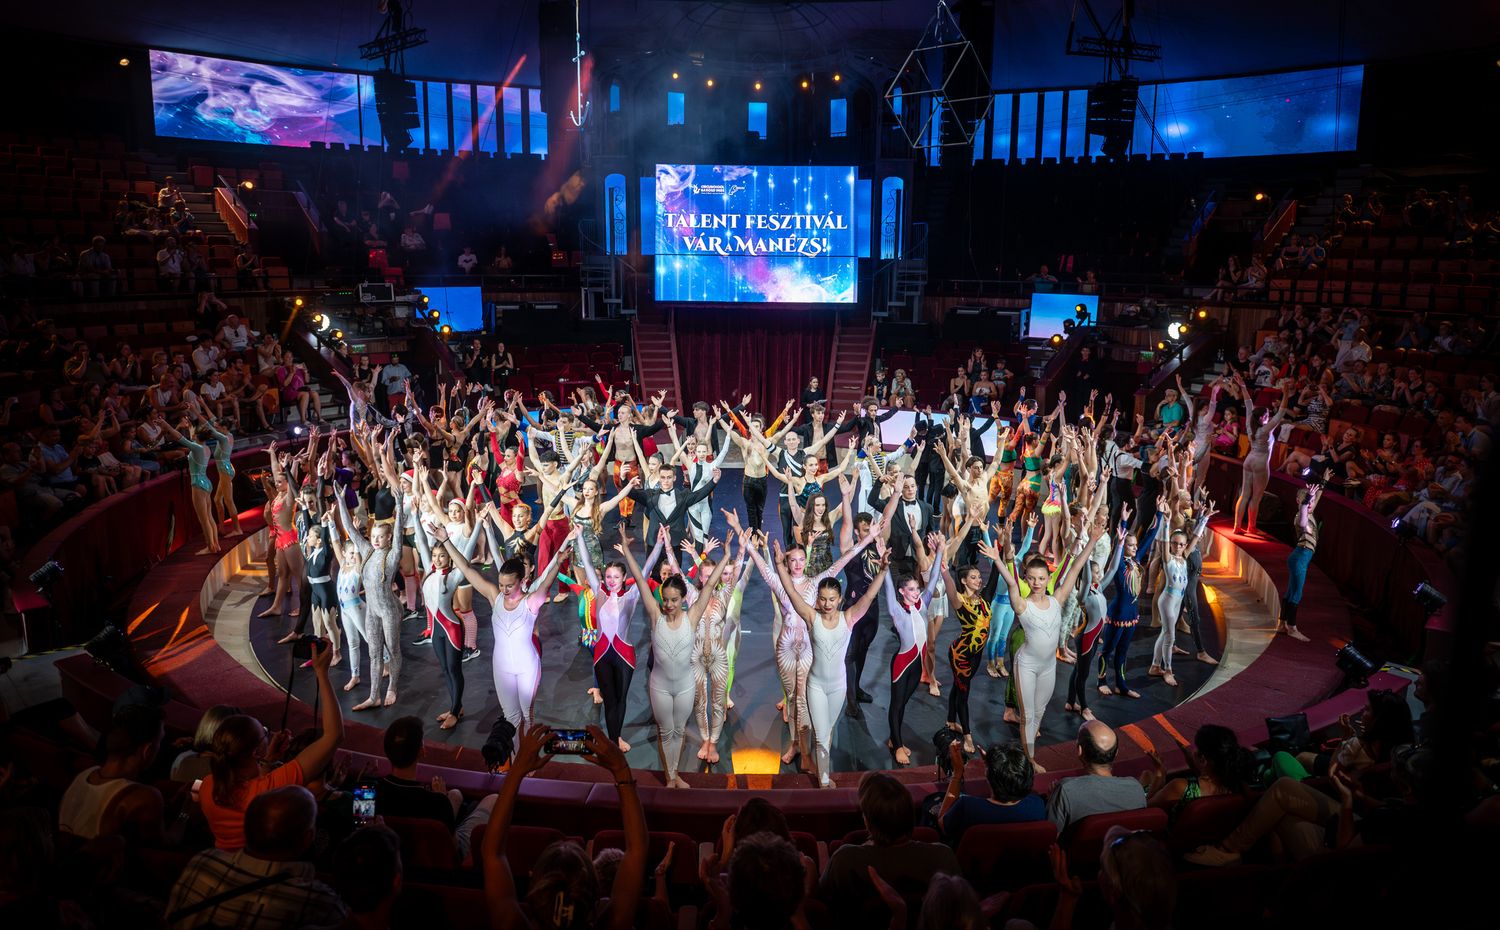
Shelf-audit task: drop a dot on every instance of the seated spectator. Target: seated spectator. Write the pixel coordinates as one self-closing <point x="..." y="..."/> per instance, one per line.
<point x="1315" y="254"/>
<point x="235" y="334"/>
<point x="206" y="358"/>
<point x="248" y="271"/>
<point x="412" y="242"/>
<point x="259" y="399"/>
<point x="242" y="752"/>
<point x="1255" y="277"/>
<point x="758" y="815"/>
<point x="467" y="260"/>
<point x="1009" y="774"/>
<point x="1137" y="880"/>
<point x="268" y="883"/>
<point x="214" y="398"/>
<point x="890" y="816"/>
<point x="345" y="226"/>
<point x="563" y="880"/>
<point x="96" y="271"/>
<point x="169" y="195"/>
<point x="1292" y="254"/>
<point x="1099" y="790"/>
<point x="902" y="391"/>
<point x="764" y="891"/>
<point x="502" y="263"/>
<point x="198" y="272"/>
<point x="1089" y="284"/>
<point x="1383" y="724"/>
<point x="112" y="797"/>
<point x="107" y="474"/>
<point x="367" y="871"/>
<point x="193" y="762"/>
<point x="403" y="793"/>
<point x="171" y="265"/>
<point x="1220" y="765"/>
<point x="54" y="464"/>
<point x="39" y="504"/>
<point x="1227" y="433"/>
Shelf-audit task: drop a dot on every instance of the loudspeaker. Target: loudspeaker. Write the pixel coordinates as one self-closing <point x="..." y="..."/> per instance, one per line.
<point x="1111" y="114"/>
<point x="396" y="105"/>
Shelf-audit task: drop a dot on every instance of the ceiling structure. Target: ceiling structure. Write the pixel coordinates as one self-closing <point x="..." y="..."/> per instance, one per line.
<point x="485" y="40"/>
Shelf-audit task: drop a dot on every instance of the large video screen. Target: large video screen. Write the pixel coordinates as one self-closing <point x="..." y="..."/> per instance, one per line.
<point x="460" y="307"/>
<point x="1050" y="311"/>
<point x="223" y="100"/>
<point x="746" y="234"/>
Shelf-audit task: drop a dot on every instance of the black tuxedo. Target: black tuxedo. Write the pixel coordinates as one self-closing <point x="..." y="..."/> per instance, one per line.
<point x="903" y="549"/>
<point x="682" y="499"/>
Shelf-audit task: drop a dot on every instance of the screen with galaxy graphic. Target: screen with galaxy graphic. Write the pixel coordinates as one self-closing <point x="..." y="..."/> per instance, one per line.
<point x="747" y="234"/>
<point x="222" y="100"/>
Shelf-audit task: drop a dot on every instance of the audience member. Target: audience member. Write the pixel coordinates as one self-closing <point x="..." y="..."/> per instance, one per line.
<point x="402" y="793"/>
<point x="890" y="816"/>
<point x="1098" y="790"/>
<point x="367" y="871"/>
<point x="1009" y="774"/>
<point x="112" y="798"/>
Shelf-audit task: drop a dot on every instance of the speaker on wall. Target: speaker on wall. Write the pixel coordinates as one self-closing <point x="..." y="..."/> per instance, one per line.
<point x="1111" y="114"/>
<point x="396" y="105"/>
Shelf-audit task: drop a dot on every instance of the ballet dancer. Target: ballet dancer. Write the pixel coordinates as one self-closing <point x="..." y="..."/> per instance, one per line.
<point x="351" y="603"/>
<point x="197" y="470"/>
<point x="1123" y="614"/>
<point x="830" y="627"/>
<point x="1002" y="617"/>
<point x="970" y="596"/>
<point x="223" y="507"/>
<point x="1095" y="579"/>
<point x="907" y="604"/>
<point x="1203" y="431"/>
<point x="440" y="585"/>
<point x="1040" y="615"/>
<point x="380" y="560"/>
<point x="1257" y="466"/>
<point x="517" y="659"/>
<point x="1297" y="561"/>
<point x="1173" y="554"/>
<point x="715" y="646"/>
<point x="672" y="683"/>
<point x="318" y="557"/>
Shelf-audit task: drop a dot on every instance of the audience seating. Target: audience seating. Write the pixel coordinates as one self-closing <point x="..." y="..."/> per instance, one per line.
<point x="997" y="857"/>
<point x="1084" y="839"/>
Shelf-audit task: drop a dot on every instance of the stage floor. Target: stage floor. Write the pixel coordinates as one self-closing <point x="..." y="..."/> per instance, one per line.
<point x="754" y="736"/>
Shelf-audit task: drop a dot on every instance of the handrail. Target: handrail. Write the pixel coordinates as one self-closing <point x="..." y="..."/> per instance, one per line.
<point x="1052" y="371"/>
<point x="1181" y="362"/>
<point x="232" y="211"/>
<point x="310" y="217"/>
<point x="1200" y="223"/>
<point x="1283" y="218"/>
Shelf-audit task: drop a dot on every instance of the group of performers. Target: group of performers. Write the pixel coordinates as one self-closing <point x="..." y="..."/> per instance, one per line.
<point x="1042" y="554"/>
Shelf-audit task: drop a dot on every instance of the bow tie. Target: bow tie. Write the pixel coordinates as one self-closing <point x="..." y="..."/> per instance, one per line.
<point x="909" y="503"/>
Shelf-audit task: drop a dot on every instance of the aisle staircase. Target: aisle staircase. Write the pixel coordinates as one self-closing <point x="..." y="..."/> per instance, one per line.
<point x="847" y="369"/>
<point x="656" y="359"/>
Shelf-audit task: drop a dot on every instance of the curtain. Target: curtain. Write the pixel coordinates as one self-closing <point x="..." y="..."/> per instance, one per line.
<point x="767" y="352"/>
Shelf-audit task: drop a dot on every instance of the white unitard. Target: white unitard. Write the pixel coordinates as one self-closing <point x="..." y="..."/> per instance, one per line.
<point x="671" y="685"/>
<point x="1036" y="666"/>
<point x="827" y="687"/>
<point x="351" y="613"/>
<point x="697" y="474"/>
<point x="1168" y="606"/>
<point x="383" y="610"/>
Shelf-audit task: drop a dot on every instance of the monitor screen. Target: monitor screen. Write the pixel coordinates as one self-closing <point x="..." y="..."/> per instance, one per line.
<point x="1049" y="311"/>
<point x="756" y="234"/>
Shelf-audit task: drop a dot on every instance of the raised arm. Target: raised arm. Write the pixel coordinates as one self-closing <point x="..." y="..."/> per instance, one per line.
<point x="793" y="596"/>
<point x="536" y="595"/>
<point x="653" y="610"/>
<point x="483" y="585"/>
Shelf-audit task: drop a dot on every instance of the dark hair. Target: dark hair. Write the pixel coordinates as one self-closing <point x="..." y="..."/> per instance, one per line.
<point x="961" y="570"/>
<point x="366" y="867"/>
<point x="1009" y="773"/>
<point x="547" y="455"/>
<point x="951" y="903"/>
<point x="277" y="822"/>
<point x="403" y="741"/>
<point x="1230" y="764"/>
<point x="1145" y="877"/>
<point x="758" y="815"/>
<point x="675" y="583"/>
<point x="765" y="882"/>
<point x="133" y="726"/>
<point x="1092" y="753"/>
<point x="564" y="887"/>
<point x="864" y="519"/>
<point x="1390" y="724"/>
<point x="1036" y="561"/>
<point x="889" y="812"/>
<point x="831" y="584"/>
<point x="514" y="567"/>
<point x="616" y="563"/>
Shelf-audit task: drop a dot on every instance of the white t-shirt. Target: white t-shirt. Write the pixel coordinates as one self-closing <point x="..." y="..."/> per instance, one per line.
<point x="467" y="262"/>
<point x="209" y="390"/>
<point x="237" y="337"/>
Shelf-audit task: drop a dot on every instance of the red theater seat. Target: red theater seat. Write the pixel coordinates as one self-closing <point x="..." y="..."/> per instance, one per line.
<point x="997" y="857"/>
<point x="1084" y="839"/>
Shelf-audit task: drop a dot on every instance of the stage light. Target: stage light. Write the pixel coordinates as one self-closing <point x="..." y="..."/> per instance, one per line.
<point x="1356" y="666"/>
<point x="837" y="76"/>
<point x="434" y="315"/>
<point x="709" y="82"/>
<point x="804" y="83"/>
<point x="426" y="300"/>
<point x="1430" y="599"/>
<point x="298" y="302"/>
<point x="247" y="186"/>
<point x="757" y="85"/>
<point x="298" y="429"/>
<point x="674" y="75"/>
<point x="1057" y="339"/>
<point x="1259" y="196"/>
<point x="1176" y="331"/>
<point x="446" y="329"/>
<point x="338" y="334"/>
<point x="1202" y="313"/>
<point x="1068" y="326"/>
<point x="124" y="62"/>
<point x="1160" y="345"/>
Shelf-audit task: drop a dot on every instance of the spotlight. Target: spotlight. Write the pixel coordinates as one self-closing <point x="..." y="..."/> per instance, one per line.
<point x="338" y="334"/>
<point x="1177" y="331"/>
<point x="446" y="329"/>
<point x="124" y="62"/>
<point x="1202" y="313"/>
<point x="804" y="83"/>
<point x="297" y="429"/>
<point x="1160" y="346"/>
<point x="709" y="82"/>
<point x="47" y="576"/>
<point x="674" y="75"/>
<point x="434" y="315"/>
<point x="757" y="85"/>
<point x="1430" y="599"/>
<point x="1356" y="666"/>
<point x="247" y="186"/>
<point x="1068" y="326"/>
<point x="837" y="76"/>
<point x="298" y="302"/>
<point x="1259" y="196"/>
<point x="1056" y="339"/>
<point x="425" y="300"/>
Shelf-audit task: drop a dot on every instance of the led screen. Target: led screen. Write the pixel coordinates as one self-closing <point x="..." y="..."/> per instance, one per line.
<point x="221" y="100"/>
<point x="460" y="307"/>
<point x="1048" y="311"/>
<point x="743" y="234"/>
<point x="897" y="429"/>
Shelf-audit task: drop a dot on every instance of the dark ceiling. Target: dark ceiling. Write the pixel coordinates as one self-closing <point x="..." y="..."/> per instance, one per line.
<point x="485" y="40"/>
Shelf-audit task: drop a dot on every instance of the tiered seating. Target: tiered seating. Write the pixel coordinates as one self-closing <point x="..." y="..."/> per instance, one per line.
<point x="563" y="368"/>
<point x="930" y="373"/>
